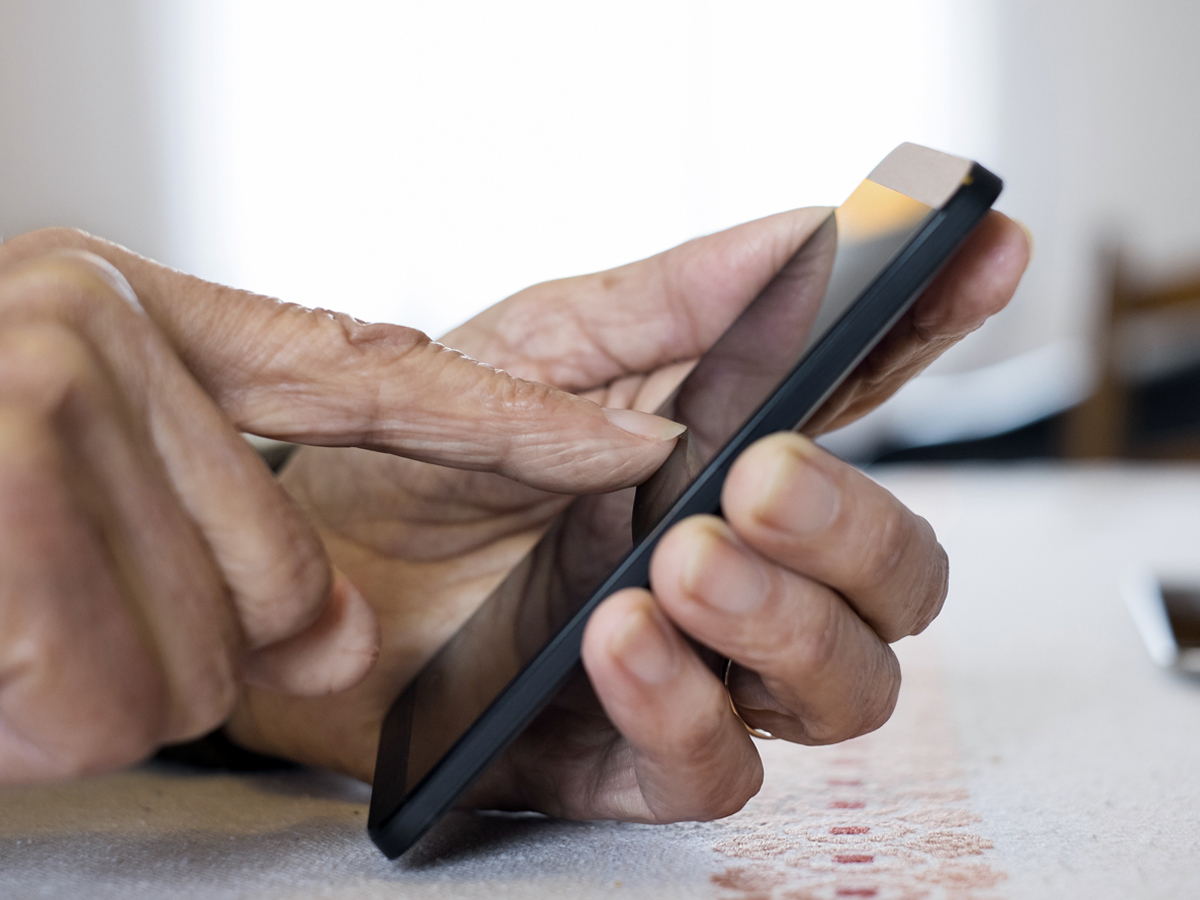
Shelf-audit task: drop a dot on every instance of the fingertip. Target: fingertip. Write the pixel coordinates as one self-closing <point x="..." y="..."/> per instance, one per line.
<point x="1030" y="242"/>
<point x="672" y="566"/>
<point x="784" y="482"/>
<point x="270" y="554"/>
<point x="1011" y="245"/>
<point x="465" y="414"/>
<point x="642" y="424"/>
<point x="623" y="642"/>
<point x="979" y="281"/>
<point x="333" y="654"/>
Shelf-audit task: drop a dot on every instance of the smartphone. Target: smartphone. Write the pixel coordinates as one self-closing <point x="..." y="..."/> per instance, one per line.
<point x="1166" y="611"/>
<point x="769" y="371"/>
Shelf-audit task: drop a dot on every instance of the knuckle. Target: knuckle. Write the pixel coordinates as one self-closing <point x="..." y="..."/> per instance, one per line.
<point x="822" y="732"/>
<point x="214" y="700"/>
<point x="699" y="745"/>
<point x="42" y="241"/>
<point x="933" y="590"/>
<point x="217" y="705"/>
<point x="278" y="577"/>
<point x="813" y="644"/>
<point x="130" y="734"/>
<point x="57" y="236"/>
<point x="729" y="795"/>
<point x="92" y="754"/>
<point x="887" y="541"/>
<point x="873" y="704"/>
<point x="704" y="749"/>
<point x="211" y="698"/>
<point x="395" y="340"/>
<point x="880" y="712"/>
<point x="201" y="658"/>
<point x="340" y="344"/>
<point x="880" y="695"/>
<point x="398" y="343"/>
<point x="55" y="280"/>
<point x="49" y="366"/>
<point x="302" y="571"/>
<point x="68" y="283"/>
<point x="121" y="722"/>
<point x="297" y="579"/>
<point x="924" y="591"/>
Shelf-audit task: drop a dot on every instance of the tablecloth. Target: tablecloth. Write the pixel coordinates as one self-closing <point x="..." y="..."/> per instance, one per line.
<point x="1036" y="751"/>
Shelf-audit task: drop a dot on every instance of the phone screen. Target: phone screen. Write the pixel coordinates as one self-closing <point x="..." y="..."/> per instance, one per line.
<point x="591" y="537"/>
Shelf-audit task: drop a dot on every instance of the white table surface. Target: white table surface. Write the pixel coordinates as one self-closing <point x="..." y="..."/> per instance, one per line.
<point x="1036" y="752"/>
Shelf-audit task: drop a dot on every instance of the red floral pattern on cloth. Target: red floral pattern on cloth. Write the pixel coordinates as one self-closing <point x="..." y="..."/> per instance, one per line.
<point x="886" y="816"/>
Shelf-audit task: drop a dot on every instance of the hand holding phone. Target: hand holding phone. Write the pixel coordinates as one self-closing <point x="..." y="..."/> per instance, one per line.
<point x="791" y="347"/>
<point x="426" y="544"/>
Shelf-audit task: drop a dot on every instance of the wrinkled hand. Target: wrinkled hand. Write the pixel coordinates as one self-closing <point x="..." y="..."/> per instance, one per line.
<point x="813" y="572"/>
<point x="150" y="565"/>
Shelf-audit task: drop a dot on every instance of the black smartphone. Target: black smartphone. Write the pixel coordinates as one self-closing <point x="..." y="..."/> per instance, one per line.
<point x="770" y="371"/>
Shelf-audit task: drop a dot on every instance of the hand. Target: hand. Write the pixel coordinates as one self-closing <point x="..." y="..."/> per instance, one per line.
<point x="150" y="565"/>
<point x="814" y="571"/>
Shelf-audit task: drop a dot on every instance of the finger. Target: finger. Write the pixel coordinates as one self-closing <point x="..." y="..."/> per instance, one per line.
<point x="817" y="672"/>
<point x="691" y="757"/>
<point x="303" y="662"/>
<point x="80" y="690"/>
<point x="803" y="508"/>
<point x="318" y="377"/>
<point x="162" y="566"/>
<point x="581" y="332"/>
<point x="976" y="284"/>
<point x="268" y="555"/>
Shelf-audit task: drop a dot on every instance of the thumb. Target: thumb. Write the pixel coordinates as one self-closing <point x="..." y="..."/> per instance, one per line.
<point x="316" y="377"/>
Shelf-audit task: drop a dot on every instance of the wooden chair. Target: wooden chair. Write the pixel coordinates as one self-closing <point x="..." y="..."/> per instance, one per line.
<point x="1105" y="425"/>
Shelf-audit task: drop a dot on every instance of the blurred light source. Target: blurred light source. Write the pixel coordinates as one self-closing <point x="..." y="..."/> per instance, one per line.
<point x="417" y="162"/>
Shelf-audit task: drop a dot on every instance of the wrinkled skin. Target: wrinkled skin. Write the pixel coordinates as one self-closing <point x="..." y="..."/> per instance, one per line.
<point x="155" y="581"/>
<point x="814" y="572"/>
<point x="150" y="565"/>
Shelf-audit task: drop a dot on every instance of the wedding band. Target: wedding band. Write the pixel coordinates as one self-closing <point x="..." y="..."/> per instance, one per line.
<point x="754" y="732"/>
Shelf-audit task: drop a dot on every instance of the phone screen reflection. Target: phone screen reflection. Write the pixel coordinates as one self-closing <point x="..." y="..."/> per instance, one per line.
<point x="583" y="546"/>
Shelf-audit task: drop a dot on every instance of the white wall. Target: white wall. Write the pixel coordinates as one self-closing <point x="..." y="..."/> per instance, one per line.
<point x="1098" y="125"/>
<point x="416" y="162"/>
<point x="444" y="155"/>
<point x="80" y="127"/>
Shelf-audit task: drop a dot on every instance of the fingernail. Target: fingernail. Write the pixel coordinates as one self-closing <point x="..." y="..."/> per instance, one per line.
<point x="725" y="575"/>
<point x="644" y="424"/>
<point x="640" y="646"/>
<point x="795" y="496"/>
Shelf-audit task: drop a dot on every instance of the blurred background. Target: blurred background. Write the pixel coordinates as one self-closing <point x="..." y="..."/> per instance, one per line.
<point x="416" y="162"/>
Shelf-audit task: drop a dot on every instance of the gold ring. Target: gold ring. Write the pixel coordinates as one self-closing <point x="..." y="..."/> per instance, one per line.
<point x="754" y="732"/>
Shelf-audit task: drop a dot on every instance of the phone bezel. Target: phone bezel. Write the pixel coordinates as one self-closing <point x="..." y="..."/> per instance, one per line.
<point x="799" y="396"/>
